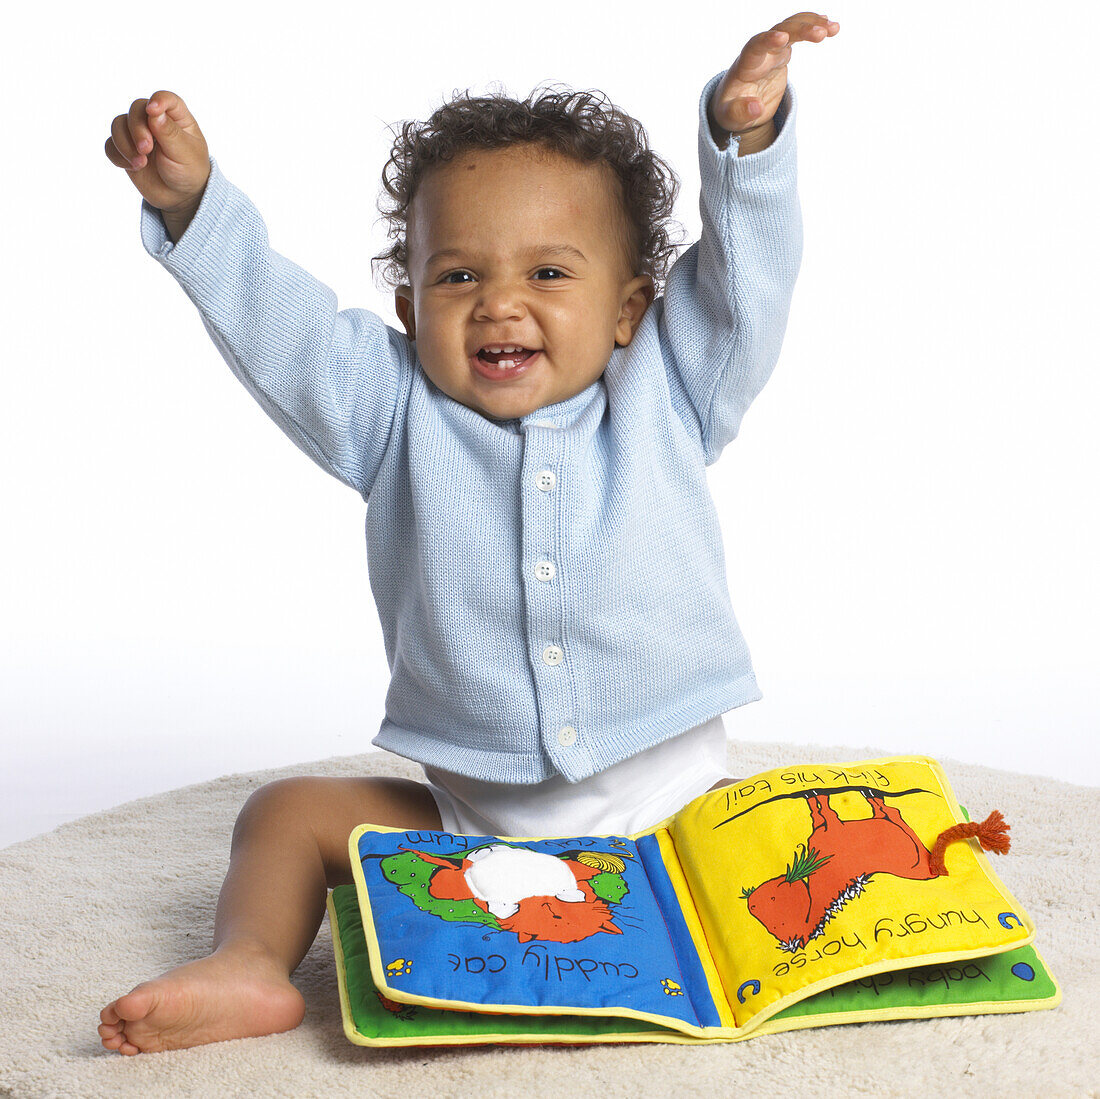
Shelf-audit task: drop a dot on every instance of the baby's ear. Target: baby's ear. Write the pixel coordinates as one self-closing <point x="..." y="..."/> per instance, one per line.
<point x="638" y="296"/>
<point x="403" y="303"/>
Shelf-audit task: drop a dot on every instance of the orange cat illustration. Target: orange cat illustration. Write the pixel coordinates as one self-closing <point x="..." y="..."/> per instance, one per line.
<point x="533" y="895"/>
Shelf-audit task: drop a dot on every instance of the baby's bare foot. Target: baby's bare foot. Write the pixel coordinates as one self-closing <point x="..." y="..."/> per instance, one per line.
<point x="233" y="993"/>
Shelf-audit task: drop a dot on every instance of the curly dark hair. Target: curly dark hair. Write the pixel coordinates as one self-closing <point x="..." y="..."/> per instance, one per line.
<point x="583" y="125"/>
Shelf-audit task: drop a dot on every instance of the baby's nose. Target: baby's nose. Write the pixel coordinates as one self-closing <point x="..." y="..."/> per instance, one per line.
<point x="500" y="301"/>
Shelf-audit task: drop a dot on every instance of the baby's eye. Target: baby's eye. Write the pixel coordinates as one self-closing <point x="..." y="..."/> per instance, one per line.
<point x="457" y="277"/>
<point x="548" y="273"/>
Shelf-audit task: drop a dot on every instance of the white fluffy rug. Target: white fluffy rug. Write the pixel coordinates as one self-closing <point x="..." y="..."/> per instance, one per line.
<point x="104" y="902"/>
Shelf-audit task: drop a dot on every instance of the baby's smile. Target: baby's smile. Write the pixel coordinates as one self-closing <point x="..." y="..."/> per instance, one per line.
<point x="503" y="363"/>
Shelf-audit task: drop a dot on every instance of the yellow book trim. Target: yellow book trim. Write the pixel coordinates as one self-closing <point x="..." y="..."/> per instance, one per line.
<point x="768" y="1026"/>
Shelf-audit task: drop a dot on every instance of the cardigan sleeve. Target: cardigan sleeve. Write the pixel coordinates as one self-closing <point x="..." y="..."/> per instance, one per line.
<point x="333" y="380"/>
<point x="728" y="296"/>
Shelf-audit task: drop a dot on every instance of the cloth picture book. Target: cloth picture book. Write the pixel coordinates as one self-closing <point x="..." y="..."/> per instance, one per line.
<point x="805" y="896"/>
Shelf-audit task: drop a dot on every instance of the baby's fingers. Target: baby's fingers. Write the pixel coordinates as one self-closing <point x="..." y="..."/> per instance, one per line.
<point x="762" y="53"/>
<point x="139" y="128"/>
<point x="121" y="147"/>
<point x="164" y="102"/>
<point x="806" y="26"/>
<point x="131" y="137"/>
<point x="169" y="122"/>
<point x="772" y="49"/>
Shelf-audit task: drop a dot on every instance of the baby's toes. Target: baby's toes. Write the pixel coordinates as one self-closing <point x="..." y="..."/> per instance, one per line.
<point x="113" y="1037"/>
<point x="110" y="1036"/>
<point x="122" y="1014"/>
<point x="110" y="1029"/>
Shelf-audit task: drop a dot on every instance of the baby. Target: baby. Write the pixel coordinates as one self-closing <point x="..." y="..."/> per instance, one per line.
<point x="543" y="551"/>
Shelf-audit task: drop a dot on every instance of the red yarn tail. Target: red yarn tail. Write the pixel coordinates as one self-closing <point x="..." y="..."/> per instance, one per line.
<point x="991" y="833"/>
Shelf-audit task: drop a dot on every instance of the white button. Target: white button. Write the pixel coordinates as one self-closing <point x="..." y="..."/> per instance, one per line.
<point x="544" y="570"/>
<point x="552" y="655"/>
<point x="567" y="736"/>
<point x="545" y="480"/>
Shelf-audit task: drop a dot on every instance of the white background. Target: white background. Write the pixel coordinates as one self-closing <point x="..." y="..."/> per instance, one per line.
<point x="910" y="511"/>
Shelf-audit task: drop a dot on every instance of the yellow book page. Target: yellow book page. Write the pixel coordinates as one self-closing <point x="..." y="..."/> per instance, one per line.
<point x="808" y="875"/>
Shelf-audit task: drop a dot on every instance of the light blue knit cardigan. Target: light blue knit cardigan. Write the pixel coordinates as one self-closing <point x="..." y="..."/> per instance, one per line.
<point x="530" y="630"/>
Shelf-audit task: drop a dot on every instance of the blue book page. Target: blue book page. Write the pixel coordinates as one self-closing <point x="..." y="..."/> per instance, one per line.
<point x="562" y="924"/>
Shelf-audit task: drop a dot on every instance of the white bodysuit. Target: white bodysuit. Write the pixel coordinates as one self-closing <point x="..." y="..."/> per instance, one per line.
<point x="628" y="797"/>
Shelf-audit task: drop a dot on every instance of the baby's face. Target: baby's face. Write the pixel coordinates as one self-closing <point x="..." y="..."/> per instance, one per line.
<point x="520" y="284"/>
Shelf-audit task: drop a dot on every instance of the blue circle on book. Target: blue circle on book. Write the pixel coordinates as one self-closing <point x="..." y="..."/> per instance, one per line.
<point x="1023" y="971"/>
<point x="1006" y="918"/>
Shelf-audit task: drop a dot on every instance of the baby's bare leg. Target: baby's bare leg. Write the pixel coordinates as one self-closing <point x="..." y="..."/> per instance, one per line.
<point x="290" y="846"/>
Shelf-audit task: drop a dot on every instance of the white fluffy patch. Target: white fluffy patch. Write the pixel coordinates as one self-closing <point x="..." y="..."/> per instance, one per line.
<point x="503" y="876"/>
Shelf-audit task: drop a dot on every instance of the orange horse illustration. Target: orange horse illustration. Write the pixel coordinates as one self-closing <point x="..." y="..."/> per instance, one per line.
<point x="834" y="866"/>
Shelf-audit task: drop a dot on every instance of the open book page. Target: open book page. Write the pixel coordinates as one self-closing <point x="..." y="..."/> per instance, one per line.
<point x="806" y="876"/>
<point x="527" y="926"/>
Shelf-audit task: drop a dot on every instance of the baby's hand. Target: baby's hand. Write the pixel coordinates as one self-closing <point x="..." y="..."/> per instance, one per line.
<point x="162" y="148"/>
<point x="748" y="95"/>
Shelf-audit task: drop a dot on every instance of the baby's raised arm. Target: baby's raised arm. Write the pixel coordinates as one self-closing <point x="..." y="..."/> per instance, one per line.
<point x="333" y="379"/>
<point x="727" y="297"/>
<point x="161" y="147"/>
